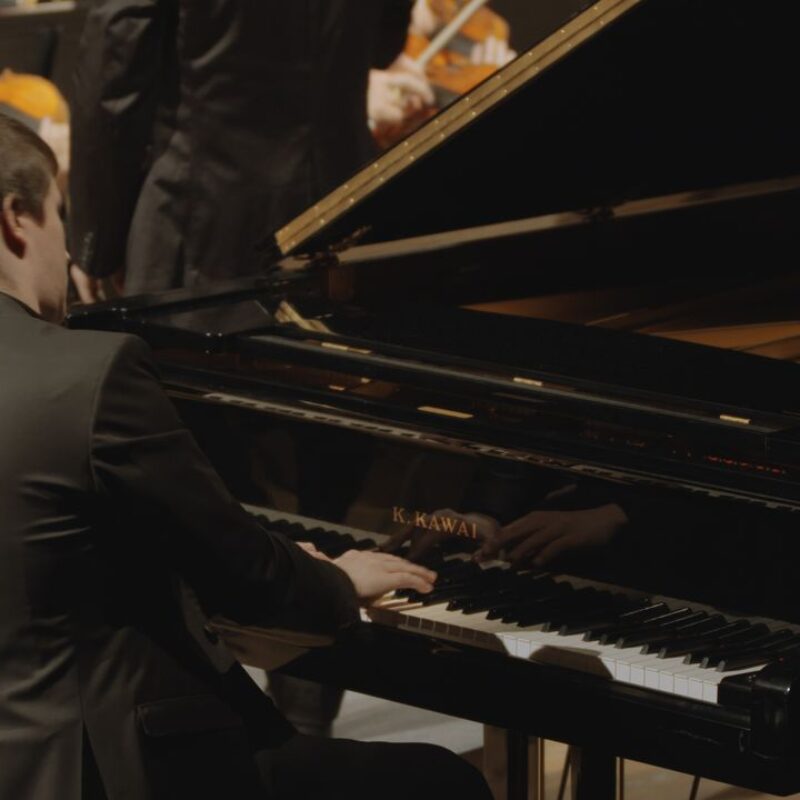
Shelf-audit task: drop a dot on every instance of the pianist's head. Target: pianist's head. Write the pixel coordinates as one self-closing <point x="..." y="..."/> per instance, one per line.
<point x="33" y="262"/>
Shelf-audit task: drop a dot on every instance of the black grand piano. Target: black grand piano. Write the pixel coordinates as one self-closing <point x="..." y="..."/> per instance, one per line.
<point x="572" y="299"/>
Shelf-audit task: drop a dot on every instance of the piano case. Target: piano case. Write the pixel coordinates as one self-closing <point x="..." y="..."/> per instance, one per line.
<point x="511" y="311"/>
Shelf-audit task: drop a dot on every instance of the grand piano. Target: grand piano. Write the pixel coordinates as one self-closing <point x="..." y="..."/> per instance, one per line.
<point x="574" y="290"/>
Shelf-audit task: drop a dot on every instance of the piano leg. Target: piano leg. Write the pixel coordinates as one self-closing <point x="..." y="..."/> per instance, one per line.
<point x="535" y="768"/>
<point x="594" y="774"/>
<point x="513" y="764"/>
<point x="517" y="765"/>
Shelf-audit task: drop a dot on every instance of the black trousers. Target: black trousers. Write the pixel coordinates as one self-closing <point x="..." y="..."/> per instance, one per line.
<point x="314" y="768"/>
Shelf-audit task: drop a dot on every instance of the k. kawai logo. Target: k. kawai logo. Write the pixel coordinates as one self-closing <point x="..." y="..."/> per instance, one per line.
<point x="441" y="523"/>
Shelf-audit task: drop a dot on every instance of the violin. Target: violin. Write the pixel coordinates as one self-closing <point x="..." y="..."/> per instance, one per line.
<point x="450" y="69"/>
<point x="447" y="57"/>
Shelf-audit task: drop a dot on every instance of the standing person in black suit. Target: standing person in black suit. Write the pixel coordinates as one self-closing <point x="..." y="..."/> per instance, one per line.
<point x="108" y="510"/>
<point x="201" y="128"/>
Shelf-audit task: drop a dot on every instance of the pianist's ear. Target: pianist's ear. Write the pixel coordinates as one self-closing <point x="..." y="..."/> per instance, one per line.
<point x="11" y="225"/>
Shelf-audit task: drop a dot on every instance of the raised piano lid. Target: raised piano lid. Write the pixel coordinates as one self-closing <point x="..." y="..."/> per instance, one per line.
<point x="640" y="105"/>
<point x="628" y="100"/>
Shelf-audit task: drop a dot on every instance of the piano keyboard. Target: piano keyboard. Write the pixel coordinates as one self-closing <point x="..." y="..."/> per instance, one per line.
<point x="654" y="643"/>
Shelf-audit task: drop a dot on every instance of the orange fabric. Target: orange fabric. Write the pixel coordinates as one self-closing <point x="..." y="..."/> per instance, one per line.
<point x="32" y="95"/>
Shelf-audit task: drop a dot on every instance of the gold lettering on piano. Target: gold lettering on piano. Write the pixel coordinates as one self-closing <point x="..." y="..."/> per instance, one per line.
<point x="441" y="523"/>
<point x="448" y="525"/>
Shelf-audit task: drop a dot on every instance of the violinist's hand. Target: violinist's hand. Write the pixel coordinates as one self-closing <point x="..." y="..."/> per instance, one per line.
<point x="95" y="290"/>
<point x="397" y="93"/>
<point x="543" y="536"/>
<point x="492" y="51"/>
<point x="424" y="21"/>
<point x="375" y="574"/>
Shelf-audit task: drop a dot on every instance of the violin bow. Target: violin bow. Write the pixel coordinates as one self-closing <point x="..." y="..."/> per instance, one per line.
<point x="442" y="39"/>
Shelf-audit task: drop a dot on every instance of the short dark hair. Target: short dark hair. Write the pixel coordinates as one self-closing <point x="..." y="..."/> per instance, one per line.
<point x="27" y="166"/>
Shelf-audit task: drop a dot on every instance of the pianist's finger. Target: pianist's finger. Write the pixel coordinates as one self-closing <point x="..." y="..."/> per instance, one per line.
<point x="397" y="564"/>
<point x="408" y="580"/>
<point x="312" y="551"/>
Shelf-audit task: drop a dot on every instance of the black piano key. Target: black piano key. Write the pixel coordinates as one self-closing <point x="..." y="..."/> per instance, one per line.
<point x="729" y="641"/>
<point x="762" y="644"/>
<point x="605" y="606"/>
<point x="485" y="589"/>
<point x="630" y="618"/>
<point x="610" y="616"/>
<point x="511" y="610"/>
<point x="292" y="530"/>
<point x="657" y="631"/>
<point x="540" y="613"/>
<point x="463" y="589"/>
<point x="756" y="657"/>
<point x="366" y="544"/>
<point x="512" y="596"/>
<point x="682" y="647"/>
<point x="486" y="593"/>
<point x="659" y="621"/>
<point x="482" y="588"/>
<point x="457" y="570"/>
<point x="696" y="629"/>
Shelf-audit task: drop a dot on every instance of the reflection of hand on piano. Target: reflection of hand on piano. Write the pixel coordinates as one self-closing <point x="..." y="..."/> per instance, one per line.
<point x="544" y="536"/>
<point x="375" y="574"/>
<point x="480" y="527"/>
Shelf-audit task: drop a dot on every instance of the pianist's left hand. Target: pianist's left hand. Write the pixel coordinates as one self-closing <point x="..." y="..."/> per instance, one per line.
<point x="544" y="536"/>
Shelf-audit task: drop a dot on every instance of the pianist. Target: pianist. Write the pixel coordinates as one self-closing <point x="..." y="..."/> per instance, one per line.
<point x="107" y="508"/>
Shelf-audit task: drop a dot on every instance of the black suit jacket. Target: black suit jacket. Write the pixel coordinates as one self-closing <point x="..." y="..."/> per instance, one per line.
<point x="201" y="127"/>
<point x="105" y="502"/>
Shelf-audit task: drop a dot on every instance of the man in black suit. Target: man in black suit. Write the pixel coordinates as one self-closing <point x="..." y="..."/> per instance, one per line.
<point x="107" y="509"/>
<point x="201" y="128"/>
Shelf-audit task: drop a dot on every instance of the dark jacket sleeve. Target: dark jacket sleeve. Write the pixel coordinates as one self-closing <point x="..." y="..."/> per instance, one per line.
<point x="113" y="104"/>
<point x="395" y="19"/>
<point x="152" y="474"/>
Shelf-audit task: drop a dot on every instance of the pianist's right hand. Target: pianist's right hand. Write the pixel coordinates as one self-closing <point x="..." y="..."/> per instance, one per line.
<point x="375" y="574"/>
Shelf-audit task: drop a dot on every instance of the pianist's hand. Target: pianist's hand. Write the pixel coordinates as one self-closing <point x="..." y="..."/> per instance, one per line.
<point x="375" y="574"/>
<point x="312" y="551"/>
<point x="543" y="536"/>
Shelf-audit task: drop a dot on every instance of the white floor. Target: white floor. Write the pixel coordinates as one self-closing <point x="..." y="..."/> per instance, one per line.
<point x="368" y="719"/>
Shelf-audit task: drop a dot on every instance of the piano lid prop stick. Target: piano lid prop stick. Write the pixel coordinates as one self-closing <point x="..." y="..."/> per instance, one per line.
<point x="443" y="38"/>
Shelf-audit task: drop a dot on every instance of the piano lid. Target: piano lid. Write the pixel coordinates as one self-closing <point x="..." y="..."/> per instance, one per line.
<point x="630" y="99"/>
